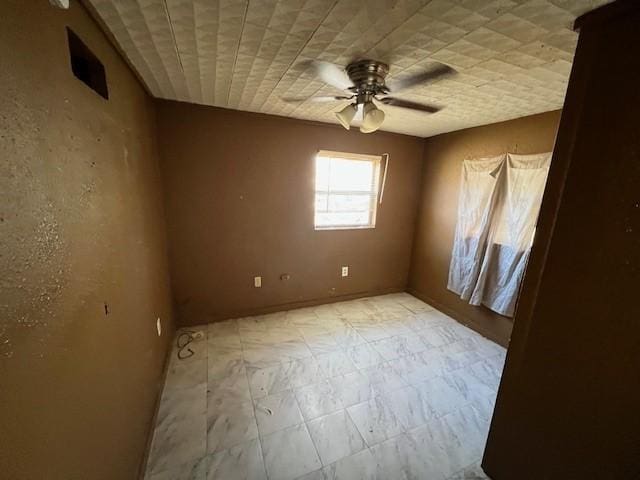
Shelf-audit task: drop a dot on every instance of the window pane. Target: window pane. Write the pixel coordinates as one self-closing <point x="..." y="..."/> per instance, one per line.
<point x="351" y="175"/>
<point x="342" y="219"/>
<point x="322" y="173"/>
<point x="346" y="190"/>
<point x="322" y="202"/>
<point x="350" y="203"/>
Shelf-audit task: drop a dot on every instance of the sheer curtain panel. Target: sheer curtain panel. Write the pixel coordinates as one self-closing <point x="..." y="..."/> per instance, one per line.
<point x="479" y="182"/>
<point x="505" y="239"/>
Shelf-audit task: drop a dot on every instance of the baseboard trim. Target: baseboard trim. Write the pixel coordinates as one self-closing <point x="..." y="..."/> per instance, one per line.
<point x="464" y="320"/>
<point x="294" y="305"/>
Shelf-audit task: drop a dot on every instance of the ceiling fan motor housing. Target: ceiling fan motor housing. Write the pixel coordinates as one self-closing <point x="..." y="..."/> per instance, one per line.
<point x="368" y="78"/>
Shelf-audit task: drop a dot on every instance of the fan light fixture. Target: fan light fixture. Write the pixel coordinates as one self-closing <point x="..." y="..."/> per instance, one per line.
<point x="372" y="118"/>
<point x="60" y="3"/>
<point x="345" y="116"/>
<point x="364" y="81"/>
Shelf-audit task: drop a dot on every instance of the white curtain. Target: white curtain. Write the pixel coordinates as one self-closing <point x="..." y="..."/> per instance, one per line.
<point x="475" y="208"/>
<point x="503" y="250"/>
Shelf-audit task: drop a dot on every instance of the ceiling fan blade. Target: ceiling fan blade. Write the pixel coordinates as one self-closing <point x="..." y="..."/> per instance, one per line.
<point x="438" y="73"/>
<point x="331" y="74"/>
<point x="315" y="99"/>
<point x="396" y="102"/>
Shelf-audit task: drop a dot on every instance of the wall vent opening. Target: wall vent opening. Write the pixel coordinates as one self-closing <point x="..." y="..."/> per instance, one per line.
<point x="86" y="66"/>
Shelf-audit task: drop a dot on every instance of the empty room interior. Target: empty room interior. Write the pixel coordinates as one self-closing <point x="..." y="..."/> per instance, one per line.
<point x="319" y="239"/>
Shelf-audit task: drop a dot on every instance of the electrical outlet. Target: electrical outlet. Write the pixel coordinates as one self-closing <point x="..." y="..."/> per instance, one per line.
<point x="159" y="326"/>
<point x="345" y="271"/>
<point x="257" y="282"/>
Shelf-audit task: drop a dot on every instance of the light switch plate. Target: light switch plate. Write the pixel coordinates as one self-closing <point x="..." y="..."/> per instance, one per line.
<point x="345" y="271"/>
<point x="257" y="282"/>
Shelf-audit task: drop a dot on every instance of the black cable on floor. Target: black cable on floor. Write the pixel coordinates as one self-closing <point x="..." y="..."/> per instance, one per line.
<point x="182" y="342"/>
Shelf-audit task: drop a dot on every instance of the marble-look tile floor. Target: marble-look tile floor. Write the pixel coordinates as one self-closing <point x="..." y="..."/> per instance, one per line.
<point x="378" y="388"/>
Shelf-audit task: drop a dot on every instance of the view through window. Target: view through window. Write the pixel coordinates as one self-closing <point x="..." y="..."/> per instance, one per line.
<point x="346" y="190"/>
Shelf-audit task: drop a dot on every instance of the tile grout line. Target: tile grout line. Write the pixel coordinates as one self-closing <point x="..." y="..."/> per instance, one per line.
<point x="326" y="377"/>
<point x="253" y="405"/>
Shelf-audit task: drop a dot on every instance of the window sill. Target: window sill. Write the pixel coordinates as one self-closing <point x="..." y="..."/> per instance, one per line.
<point x="363" y="227"/>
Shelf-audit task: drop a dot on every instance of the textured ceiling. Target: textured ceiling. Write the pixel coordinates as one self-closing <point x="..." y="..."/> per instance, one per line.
<point x="513" y="56"/>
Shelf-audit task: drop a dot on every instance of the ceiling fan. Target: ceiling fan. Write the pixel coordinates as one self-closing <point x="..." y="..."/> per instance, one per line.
<point x="365" y="80"/>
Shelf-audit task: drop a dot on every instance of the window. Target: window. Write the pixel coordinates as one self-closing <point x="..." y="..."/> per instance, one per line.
<point x="86" y="66"/>
<point x="346" y="190"/>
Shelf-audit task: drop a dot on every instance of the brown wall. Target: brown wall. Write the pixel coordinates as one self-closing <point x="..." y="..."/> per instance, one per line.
<point x="437" y="216"/>
<point x="567" y="407"/>
<point x="240" y="199"/>
<point x="80" y="226"/>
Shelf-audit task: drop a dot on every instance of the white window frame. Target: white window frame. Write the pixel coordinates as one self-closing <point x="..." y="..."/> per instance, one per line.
<point x="375" y="192"/>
